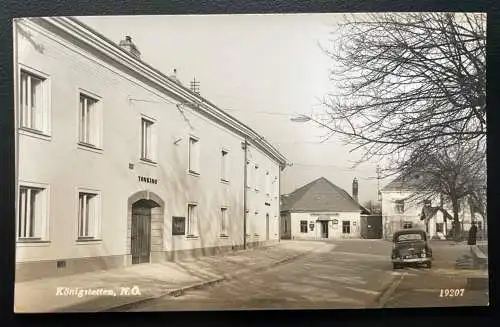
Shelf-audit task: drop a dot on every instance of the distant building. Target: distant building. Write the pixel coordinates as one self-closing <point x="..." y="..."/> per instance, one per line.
<point x="120" y="164"/>
<point x="403" y="207"/>
<point x="320" y="210"/>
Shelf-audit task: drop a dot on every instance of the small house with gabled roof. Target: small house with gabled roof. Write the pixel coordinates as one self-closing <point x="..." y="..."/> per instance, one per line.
<point x="320" y="210"/>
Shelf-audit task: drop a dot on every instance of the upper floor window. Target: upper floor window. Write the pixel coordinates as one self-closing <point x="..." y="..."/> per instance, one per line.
<point x="89" y="124"/>
<point x="148" y="140"/>
<point x="224" y="166"/>
<point x="399" y="206"/>
<point x="32" y="213"/>
<point x="34" y="113"/>
<point x="194" y="155"/>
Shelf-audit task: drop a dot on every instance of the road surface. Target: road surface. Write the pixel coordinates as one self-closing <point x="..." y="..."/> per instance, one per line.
<point x="354" y="274"/>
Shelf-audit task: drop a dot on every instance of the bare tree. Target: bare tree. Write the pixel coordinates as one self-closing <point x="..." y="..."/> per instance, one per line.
<point x="456" y="174"/>
<point x="407" y="79"/>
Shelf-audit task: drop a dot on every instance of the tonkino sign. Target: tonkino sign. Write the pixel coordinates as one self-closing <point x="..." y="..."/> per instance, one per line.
<point x="148" y="180"/>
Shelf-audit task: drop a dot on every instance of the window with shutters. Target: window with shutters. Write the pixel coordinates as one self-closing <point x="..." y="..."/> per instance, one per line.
<point x="148" y="140"/>
<point x="89" y="217"/>
<point x="89" y="121"/>
<point x="192" y="228"/>
<point x="34" y="102"/>
<point x="194" y="155"/>
<point x="32" y="214"/>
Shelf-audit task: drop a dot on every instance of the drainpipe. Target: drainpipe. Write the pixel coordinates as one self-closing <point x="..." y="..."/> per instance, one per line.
<point x="245" y="146"/>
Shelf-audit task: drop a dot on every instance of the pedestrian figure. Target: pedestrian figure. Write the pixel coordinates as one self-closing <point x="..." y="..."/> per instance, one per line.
<point x="472" y="235"/>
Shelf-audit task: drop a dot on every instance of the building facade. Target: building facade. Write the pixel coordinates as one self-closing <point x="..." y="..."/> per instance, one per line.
<point x="402" y="207"/>
<point x="321" y="210"/>
<point x="118" y="164"/>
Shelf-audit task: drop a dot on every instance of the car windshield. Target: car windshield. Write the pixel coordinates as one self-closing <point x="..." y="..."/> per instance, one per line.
<point x="410" y="237"/>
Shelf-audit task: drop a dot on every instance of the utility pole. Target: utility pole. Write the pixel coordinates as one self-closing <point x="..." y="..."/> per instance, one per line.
<point x="245" y="176"/>
<point x="379" y="196"/>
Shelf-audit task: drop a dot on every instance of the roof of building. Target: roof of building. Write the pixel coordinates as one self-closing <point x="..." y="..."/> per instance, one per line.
<point x="320" y="195"/>
<point x="404" y="182"/>
<point x="186" y="97"/>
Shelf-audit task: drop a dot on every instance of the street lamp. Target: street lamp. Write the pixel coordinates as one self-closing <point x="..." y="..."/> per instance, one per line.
<point x="300" y="119"/>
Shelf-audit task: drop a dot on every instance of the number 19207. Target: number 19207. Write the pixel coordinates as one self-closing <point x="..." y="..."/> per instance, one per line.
<point x="451" y="292"/>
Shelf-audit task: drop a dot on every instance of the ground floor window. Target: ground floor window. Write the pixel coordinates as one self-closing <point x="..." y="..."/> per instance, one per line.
<point x="407" y="224"/>
<point x="439" y="227"/>
<point x="31" y="213"/>
<point x="346" y="227"/>
<point x="223" y="221"/>
<point x="303" y="226"/>
<point x="192" y="227"/>
<point x="88" y="215"/>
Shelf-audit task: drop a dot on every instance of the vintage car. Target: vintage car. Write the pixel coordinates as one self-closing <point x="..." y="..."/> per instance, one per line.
<point x="410" y="247"/>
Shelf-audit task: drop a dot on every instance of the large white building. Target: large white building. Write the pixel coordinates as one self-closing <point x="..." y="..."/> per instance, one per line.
<point x="403" y="207"/>
<point x="119" y="164"/>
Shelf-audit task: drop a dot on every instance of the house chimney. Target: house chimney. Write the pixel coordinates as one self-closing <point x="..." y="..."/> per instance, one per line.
<point x="355" y="189"/>
<point x="130" y="47"/>
<point x="174" y="77"/>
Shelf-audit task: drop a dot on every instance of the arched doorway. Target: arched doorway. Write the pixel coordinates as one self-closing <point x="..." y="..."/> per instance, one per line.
<point x="145" y="226"/>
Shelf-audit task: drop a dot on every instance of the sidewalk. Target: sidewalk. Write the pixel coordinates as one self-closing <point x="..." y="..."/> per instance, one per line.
<point x="479" y="254"/>
<point x="108" y="289"/>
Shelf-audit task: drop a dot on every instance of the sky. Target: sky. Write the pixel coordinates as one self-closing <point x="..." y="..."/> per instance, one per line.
<point x="263" y="70"/>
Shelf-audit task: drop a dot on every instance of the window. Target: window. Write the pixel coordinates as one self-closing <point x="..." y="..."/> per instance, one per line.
<point x="147" y="139"/>
<point x="407" y="224"/>
<point x="88" y="216"/>
<point x="32" y="213"/>
<point x="192" y="228"/>
<point x="89" y="121"/>
<point x="256" y="177"/>
<point x="346" y="227"/>
<point x="34" y="102"/>
<point x="194" y="155"/>
<point x="268" y="183"/>
<point x="303" y="226"/>
<point x="223" y="221"/>
<point x="224" y="166"/>
<point x="439" y="228"/>
<point x="178" y="225"/>
<point x="399" y="206"/>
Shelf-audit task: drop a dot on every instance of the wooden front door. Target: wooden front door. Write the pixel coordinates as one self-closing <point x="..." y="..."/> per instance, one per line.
<point x="324" y="229"/>
<point x="141" y="233"/>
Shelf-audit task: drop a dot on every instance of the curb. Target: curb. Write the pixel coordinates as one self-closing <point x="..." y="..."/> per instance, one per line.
<point x="479" y="258"/>
<point x="199" y="285"/>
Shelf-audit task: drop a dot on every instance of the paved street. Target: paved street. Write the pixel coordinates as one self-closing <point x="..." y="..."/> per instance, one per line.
<point x="354" y="274"/>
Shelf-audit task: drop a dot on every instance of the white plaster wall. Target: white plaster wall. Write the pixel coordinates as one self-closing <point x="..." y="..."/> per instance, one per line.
<point x="334" y="230"/>
<point x="61" y="164"/>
